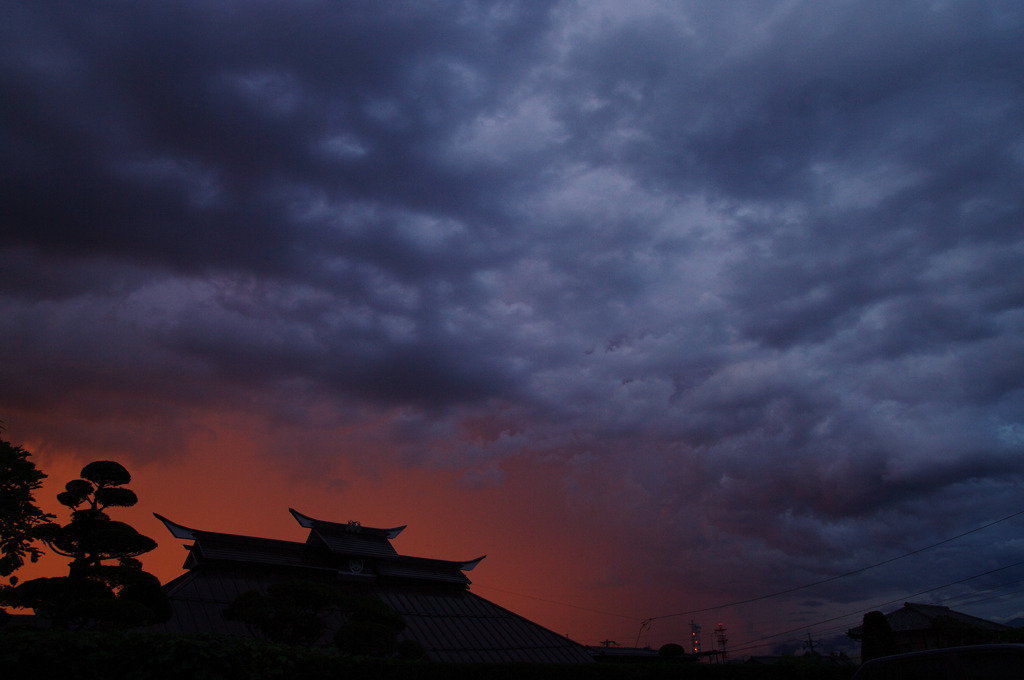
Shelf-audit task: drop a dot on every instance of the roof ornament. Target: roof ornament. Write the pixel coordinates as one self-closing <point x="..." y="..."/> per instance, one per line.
<point x="353" y="526"/>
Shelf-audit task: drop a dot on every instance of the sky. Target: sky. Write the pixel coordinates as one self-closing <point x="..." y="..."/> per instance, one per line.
<point x="662" y="306"/>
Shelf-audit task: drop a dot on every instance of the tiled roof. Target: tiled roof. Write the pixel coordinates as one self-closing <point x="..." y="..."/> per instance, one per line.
<point x="353" y="553"/>
<point x="198" y="602"/>
<point x="350" y="543"/>
<point x="918" y="616"/>
<point x="418" y="568"/>
<point x="213" y="546"/>
<point x="457" y="625"/>
<point x="913" y="617"/>
<point x="450" y="622"/>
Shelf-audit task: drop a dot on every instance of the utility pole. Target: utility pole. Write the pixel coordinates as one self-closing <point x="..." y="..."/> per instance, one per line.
<point x="722" y="640"/>
<point x="809" y="645"/>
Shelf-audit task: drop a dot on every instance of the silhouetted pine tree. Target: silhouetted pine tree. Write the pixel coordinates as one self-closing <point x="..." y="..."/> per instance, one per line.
<point x="96" y="593"/>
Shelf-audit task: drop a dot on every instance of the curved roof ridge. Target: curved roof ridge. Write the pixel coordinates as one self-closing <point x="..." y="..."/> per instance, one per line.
<point x="307" y="522"/>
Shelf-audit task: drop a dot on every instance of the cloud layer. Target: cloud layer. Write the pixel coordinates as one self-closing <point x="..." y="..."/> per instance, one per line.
<point x="744" y="278"/>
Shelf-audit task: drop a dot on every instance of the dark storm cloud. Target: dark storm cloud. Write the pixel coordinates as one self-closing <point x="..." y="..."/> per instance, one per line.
<point x="188" y="135"/>
<point x="258" y="141"/>
<point x="755" y="263"/>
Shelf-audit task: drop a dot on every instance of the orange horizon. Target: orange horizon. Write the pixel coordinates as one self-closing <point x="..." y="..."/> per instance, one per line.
<point x="550" y="577"/>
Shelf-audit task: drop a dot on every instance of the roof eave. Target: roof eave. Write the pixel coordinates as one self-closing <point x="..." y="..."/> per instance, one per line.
<point x="177" y="530"/>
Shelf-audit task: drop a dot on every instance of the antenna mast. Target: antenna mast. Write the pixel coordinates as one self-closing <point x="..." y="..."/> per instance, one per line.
<point x="722" y="640"/>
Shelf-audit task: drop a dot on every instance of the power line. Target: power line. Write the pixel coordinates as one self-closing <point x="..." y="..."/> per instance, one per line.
<point x="647" y="622"/>
<point x="986" y="595"/>
<point x="751" y="644"/>
<point x="944" y="600"/>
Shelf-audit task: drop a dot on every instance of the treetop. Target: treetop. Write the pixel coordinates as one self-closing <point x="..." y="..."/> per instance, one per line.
<point x="106" y="473"/>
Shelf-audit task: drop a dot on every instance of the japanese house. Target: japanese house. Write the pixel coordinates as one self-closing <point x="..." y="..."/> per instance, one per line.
<point x="919" y="627"/>
<point x="451" y="623"/>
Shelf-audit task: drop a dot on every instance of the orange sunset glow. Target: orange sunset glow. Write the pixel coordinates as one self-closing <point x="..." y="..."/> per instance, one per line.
<point x="219" y="484"/>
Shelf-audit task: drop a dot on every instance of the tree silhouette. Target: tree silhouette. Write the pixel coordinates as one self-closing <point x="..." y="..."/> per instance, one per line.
<point x="94" y="593"/>
<point x="296" y="612"/>
<point x="877" y="638"/>
<point x="371" y="630"/>
<point x="19" y="515"/>
<point x="671" y="650"/>
<point x="289" y="612"/>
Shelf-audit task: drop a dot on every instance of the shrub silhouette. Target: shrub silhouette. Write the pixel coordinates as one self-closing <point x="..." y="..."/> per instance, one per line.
<point x="671" y="650"/>
<point x="296" y="612"/>
<point x="877" y="638"/>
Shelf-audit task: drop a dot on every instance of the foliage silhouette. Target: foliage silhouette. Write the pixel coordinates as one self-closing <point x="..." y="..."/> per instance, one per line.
<point x="671" y="649"/>
<point x="96" y="594"/>
<point x="136" y="654"/>
<point x="371" y="630"/>
<point x="297" y="612"/>
<point x="20" y="517"/>
<point x="410" y="650"/>
<point x="877" y="637"/>
<point x="290" y="612"/>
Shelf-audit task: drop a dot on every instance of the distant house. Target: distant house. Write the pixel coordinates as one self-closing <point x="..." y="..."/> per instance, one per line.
<point x="918" y="627"/>
<point x="441" y="614"/>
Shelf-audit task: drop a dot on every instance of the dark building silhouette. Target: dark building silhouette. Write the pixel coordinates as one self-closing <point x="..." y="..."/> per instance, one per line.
<point x="442" y="615"/>
<point x="919" y="627"/>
